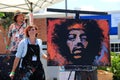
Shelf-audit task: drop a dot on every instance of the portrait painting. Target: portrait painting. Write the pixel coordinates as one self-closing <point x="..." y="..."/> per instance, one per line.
<point x="78" y="42"/>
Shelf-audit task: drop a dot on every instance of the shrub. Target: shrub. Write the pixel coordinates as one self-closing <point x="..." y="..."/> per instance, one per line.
<point x="115" y="66"/>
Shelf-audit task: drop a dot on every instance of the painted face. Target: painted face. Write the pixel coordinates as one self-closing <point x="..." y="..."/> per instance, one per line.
<point x="77" y="42"/>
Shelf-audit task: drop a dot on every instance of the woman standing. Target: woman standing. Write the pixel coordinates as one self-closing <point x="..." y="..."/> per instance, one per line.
<point x="28" y="54"/>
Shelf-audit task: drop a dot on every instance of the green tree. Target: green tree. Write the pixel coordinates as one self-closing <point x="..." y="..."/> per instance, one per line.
<point x="2" y="14"/>
<point x="7" y="19"/>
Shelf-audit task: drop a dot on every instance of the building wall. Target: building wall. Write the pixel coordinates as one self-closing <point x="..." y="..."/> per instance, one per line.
<point x="42" y="29"/>
<point x="2" y="40"/>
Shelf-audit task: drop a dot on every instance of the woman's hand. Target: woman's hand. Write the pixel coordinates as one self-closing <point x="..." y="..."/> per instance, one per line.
<point x="45" y="56"/>
<point x="12" y="75"/>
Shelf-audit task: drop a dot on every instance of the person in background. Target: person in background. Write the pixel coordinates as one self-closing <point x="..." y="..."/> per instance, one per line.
<point x="16" y="32"/>
<point x="28" y="55"/>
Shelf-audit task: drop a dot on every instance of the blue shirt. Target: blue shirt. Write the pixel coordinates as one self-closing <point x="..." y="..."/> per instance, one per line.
<point x="22" y="47"/>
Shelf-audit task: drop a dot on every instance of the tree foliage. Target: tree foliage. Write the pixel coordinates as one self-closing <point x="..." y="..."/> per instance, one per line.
<point x="2" y="14"/>
<point x="115" y="66"/>
<point x="6" y="19"/>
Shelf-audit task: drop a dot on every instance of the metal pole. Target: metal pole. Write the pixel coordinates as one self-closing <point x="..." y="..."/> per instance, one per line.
<point x="119" y="30"/>
<point x="66" y="8"/>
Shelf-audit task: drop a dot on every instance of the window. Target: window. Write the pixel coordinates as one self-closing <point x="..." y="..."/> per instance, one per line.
<point x="115" y="47"/>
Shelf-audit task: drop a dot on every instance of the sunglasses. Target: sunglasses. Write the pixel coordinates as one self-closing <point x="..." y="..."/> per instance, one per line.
<point x="32" y="29"/>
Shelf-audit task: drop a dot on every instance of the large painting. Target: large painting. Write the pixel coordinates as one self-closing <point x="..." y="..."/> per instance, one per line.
<point x="78" y="42"/>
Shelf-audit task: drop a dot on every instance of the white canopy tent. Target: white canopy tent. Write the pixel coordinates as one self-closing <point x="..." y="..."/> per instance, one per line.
<point x="25" y="6"/>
